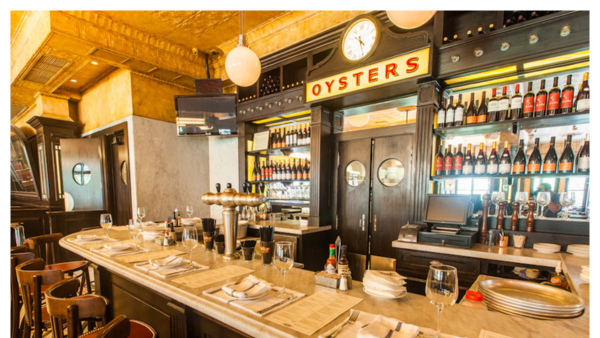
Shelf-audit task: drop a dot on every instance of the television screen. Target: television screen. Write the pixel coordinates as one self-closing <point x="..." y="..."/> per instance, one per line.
<point x="206" y="115"/>
<point x="447" y="209"/>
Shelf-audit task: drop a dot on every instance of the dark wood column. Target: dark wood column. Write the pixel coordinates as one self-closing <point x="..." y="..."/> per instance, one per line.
<point x="428" y="99"/>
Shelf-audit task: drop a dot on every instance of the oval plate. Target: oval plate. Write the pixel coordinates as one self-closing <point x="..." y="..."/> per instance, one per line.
<point x="532" y="293"/>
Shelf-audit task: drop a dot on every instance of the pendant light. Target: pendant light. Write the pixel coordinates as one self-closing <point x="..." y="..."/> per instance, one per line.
<point x="242" y="64"/>
<point x="410" y="19"/>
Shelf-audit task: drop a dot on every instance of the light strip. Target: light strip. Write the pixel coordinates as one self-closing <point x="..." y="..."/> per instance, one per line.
<point x="556" y="59"/>
<point x="558" y="69"/>
<point x="278" y="123"/>
<point x="267" y="120"/>
<point x="487" y="83"/>
<point x="302" y="119"/>
<point x="482" y="75"/>
<point x="304" y="112"/>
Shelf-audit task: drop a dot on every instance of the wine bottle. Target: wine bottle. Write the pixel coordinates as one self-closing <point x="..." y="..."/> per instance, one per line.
<point x="482" y="110"/>
<point x="467" y="168"/>
<point x="458" y="161"/>
<point x="294" y="171"/>
<point x="505" y="161"/>
<point x="458" y="112"/>
<point x="566" y="98"/>
<point x="540" y="100"/>
<point x="450" y="113"/>
<point x="535" y="159"/>
<point x="480" y="161"/>
<point x="492" y="163"/>
<point x="308" y="133"/>
<point x="448" y="161"/>
<point x="565" y="165"/>
<point x="263" y="172"/>
<point x="254" y="173"/>
<point x="529" y="101"/>
<point x="516" y="104"/>
<point x="271" y="170"/>
<point x="503" y="106"/>
<point x="554" y="98"/>
<point x="441" y="114"/>
<point x="471" y="113"/>
<point x="583" y="159"/>
<point x="583" y="96"/>
<point x="519" y="161"/>
<point x="493" y="107"/>
<point x="550" y="159"/>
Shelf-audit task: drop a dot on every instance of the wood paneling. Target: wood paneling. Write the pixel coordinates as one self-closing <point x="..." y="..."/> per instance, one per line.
<point x="68" y="222"/>
<point x="87" y="151"/>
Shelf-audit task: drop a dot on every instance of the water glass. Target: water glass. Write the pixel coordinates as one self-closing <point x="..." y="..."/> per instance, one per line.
<point x="519" y="241"/>
<point x="543" y="199"/>
<point x="134" y="228"/>
<point x="189" y="239"/>
<point x="141" y="213"/>
<point x="497" y="197"/>
<point x="189" y="210"/>
<point x="567" y="199"/>
<point x="284" y="259"/>
<point x="106" y="222"/>
<point x="442" y="289"/>
<point x="522" y="197"/>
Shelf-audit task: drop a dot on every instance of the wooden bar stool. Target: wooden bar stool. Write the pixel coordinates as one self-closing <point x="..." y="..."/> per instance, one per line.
<point x="46" y="247"/>
<point x="15" y="294"/>
<point x="122" y="327"/>
<point x="32" y="277"/>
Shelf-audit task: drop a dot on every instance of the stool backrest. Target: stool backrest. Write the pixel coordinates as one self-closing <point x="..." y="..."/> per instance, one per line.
<point x="31" y="276"/>
<point x="45" y="247"/>
<point x="19" y="249"/>
<point x="116" y="328"/>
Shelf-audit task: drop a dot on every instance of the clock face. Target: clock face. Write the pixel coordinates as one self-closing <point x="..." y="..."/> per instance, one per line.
<point x="359" y="39"/>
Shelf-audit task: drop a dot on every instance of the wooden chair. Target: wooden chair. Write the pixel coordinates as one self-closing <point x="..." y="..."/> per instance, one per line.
<point x="31" y="276"/>
<point x="19" y="249"/>
<point x="46" y="247"/>
<point x="15" y="295"/>
<point x="121" y="327"/>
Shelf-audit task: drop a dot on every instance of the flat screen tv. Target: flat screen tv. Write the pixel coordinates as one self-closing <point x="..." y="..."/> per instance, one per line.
<point x="206" y="114"/>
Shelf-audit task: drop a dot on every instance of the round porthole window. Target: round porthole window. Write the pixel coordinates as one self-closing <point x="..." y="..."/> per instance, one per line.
<point x="124" y="172"/>
<point x="82" y="174"/>
<point x="355" y="173"/>
<point x="391" y="172"/>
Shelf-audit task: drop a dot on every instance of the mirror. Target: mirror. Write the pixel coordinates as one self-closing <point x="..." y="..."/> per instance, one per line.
<point x="355" y="173"/>
<point x="21" y="173"/>
<point x="82" y="174"/>
<point x="124" y="172"/>
<point x="391" y="172"/>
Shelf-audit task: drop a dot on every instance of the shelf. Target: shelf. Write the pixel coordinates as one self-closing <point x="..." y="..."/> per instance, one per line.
<point x="280" y="181"/>
<point x="515" y="126"/>
<point x="450" y="177"/>
<point x="282" y="151"/>
<point x="289" y="202"/>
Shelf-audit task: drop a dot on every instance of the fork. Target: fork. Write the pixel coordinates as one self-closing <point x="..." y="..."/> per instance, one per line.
<point x="350" y="321"/>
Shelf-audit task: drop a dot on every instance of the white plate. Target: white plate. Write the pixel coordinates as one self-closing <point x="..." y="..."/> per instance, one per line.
<point x="586" y="278"/>
<point x="88" y="238"/>
<point x="546" y="246"/>
<point x="381" y="296"/>
<point x="577" y="254"/>
<point x="117" y="247"/>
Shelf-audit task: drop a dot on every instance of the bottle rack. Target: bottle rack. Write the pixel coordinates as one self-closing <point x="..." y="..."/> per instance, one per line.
<point x="288" y="76"/>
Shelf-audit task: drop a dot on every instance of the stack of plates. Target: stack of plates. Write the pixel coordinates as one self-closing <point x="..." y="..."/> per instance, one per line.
<point x="585" y="273"/>
<point x="384" y="284"/>
<point x="579" y="250"/>
<point x="546" y="248"/>
<point x="530" y="299"/>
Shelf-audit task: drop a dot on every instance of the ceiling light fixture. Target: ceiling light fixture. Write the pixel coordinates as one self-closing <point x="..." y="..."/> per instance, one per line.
<point x="94" y="63"/>
<point x="242" y="64"/>
<point x="73" y="80"/>
<point x="410" y="19"/>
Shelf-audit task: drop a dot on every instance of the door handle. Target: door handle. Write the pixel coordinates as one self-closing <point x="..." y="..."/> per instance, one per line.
<point x="375" y="223"/>
<point x="361" y="223"/>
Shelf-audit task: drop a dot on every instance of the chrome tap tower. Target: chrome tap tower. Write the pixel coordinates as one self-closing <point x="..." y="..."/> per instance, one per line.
<point x="230" y="199"/>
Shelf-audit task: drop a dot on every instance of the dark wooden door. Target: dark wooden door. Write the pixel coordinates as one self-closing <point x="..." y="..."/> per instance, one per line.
<point x="353" y="201"/>
<point x="117" y="157"/>
<point x="391" y="198"/>
<point x="82" y="172"/>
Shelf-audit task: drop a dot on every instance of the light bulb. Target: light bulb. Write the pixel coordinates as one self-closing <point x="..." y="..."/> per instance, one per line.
<point x="410" y="19"/>
<point x="242" y="66"/>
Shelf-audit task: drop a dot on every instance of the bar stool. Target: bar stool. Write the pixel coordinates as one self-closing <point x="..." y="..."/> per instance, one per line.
<point x="50" y="253"/>
<point x="122" y="327"/>
<point x="15" y="294"/>
<point x="32" y="277"/>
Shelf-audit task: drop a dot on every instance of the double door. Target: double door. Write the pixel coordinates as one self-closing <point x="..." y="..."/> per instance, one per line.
<point x="374" y="182"/>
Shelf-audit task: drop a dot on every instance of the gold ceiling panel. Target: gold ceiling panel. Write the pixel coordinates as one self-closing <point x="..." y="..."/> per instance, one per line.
<point x="164" y="74"/>
<point x="139" y="66"/>
<point x="86" y="76"/>
<point x="110" y="56"/>
<point x="186" y="81"/>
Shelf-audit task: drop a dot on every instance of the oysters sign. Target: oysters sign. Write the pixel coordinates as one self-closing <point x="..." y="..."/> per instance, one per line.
<point x="384" y="72"/>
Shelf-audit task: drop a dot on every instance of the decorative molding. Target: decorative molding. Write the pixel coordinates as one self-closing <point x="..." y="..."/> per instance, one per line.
<point x="162" y="81"/>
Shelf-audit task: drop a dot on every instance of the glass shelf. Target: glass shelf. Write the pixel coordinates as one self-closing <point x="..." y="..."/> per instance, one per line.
<point x="282" y="151"/>
<point x="450" y="177"/>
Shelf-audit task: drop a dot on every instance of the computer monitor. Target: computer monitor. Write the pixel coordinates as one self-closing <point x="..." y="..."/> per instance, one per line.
<point x="447" y="209"/>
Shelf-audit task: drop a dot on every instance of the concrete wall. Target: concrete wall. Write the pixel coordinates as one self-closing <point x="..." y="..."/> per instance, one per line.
<point x="223" y="168"/>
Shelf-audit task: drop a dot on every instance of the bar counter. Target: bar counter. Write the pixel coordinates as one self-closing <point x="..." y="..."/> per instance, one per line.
<point x="457" y="320"/>
<point x="289" y="227"/>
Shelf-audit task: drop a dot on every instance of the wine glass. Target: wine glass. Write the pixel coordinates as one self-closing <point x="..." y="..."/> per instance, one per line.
<point x="441" y="289"/>
<point x="522" y="197"/>
<point x="543" y="199"/>
<point x="189" y="239"/>
<point x="135" y="229"/>
<point x="141" y="212"/>
<point x="497" y="197"/>
<point x="567" y="199"/>
<point x="106" y="222"/>
<point x="283" y="260"/>
<point x="189" y="210"/>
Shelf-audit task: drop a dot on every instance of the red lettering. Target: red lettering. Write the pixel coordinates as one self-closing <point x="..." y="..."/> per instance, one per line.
<point x="357" y="76"/>
<point x="390" y="69"/>
<point x="316" y="90"/>
<point x="412" y="64"/>
<point x="373" y="75"/>
<point x="329" y="84"/>
<point x="343" y="82"/>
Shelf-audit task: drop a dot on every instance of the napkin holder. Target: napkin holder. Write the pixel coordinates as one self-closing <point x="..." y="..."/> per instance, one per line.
<point x="161" y="241"/>
<point x="330" y="282"/>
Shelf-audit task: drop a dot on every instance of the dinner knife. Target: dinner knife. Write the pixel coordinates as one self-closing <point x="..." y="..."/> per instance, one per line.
<point x="276" y="305"/>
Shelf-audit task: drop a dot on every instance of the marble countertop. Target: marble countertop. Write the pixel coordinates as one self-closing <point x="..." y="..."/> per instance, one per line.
<point x="415" y="309"/>
<point x="289" y="227"/>
<point x="496" y="253"/>
<point x="572" y="268"/>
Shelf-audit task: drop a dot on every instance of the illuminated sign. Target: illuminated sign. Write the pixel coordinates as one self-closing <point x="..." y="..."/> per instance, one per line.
<point x="393" y="70"/>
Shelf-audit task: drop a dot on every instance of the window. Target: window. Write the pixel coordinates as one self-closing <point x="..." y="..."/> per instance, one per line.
<point x="577" y="185"/>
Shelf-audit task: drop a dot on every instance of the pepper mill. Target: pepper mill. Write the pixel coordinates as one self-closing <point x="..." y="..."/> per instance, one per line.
<point x="500" y="218"/>
<point x="514" y="220"/>
<point x="530" y="219"/>
<point x="484" y="218"/>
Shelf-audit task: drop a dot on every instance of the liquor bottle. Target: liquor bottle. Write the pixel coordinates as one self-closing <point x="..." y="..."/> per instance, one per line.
<point x="294" y="171"/>
<point x="565" y="165"/>
<point x="583" y="96"/>
<point x="308" y="134"/>
<point x="471" y="112"/>
<point x="299" y="170"/>
<point x="480" y="162"/>
<point x="492" y="163"/>
<point x="343" y="263"/>
<point x="467" y="168"/>
<point x="441" y="115"/>
<point x="540" y="100"/>
<point x="535" y="159"/>
<point x="450" y="113"/>
<point x="458" y="161"/>
<point x="331" y="264"/>
<point x="263" y="173"/>
<point x="519" y="162"/>
<point x="271" y="170"/>
<point x="288" y="137"/>
<point x="516" y="104"/>
<point x="279" y="140"/>
<point x="439" y="162"/>
<point x="254" y="173"/>
<point x="554" y="98"/>
<point x="504" y="106"/>
<point x="448" y="161"/>
<point x="174" y="220"/>
<point x="482" y="110"/>
<point x="458" y="112"/>
<point x="529" y="101"/>
<point x="493" y="107"/>
<point x="300" y="136"/>
<point x="505" y="161"/>
<point x="566" y="98"/>
<point x="307" y="169"/>
<point x="295" y="140"/>
<point x="583" y="159"/>
<point x="550" y="159"/>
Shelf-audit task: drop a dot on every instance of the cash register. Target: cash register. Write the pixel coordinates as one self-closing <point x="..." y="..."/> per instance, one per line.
<point x="446" y="217"/>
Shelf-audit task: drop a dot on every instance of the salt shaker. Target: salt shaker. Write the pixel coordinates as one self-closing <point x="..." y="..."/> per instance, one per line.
<point x="343" y="283"/>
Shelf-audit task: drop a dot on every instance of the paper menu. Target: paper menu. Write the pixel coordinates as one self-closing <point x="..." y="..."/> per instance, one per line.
<point x="149" y="255"/>
<point x="212" y="276"/>
<point x="310" y="314"/>
<point x="489" y="334"/>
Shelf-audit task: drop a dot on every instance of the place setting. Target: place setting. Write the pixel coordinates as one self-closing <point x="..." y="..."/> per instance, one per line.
<point x="169" y="266"/>
<point x="120" y="248"/>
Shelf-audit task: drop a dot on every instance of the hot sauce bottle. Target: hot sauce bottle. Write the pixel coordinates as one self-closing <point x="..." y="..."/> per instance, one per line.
<point x="331" y="264"/>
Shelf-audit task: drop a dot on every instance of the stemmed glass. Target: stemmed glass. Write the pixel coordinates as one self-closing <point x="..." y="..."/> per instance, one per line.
<point x="441" y="289"/>
<point x="189" y="239"/>
<point x="283" y="260"/>
<point x="141" y="213"/>
<point x="134" y="230"/>
<point x="522" y="197"/>
<point x="106" y="222"/>
<point x="497" y="197"/>
<point x="567" y="199"/>
<point x="189" y="210"/>
<point x="543" y="199"/>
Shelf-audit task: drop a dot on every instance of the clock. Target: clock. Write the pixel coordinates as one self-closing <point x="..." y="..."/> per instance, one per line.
<point x="360" y="39"/>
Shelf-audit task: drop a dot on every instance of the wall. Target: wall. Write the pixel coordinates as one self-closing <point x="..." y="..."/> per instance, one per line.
<point x="155" y="99"/>
<point x="223" y="168"/>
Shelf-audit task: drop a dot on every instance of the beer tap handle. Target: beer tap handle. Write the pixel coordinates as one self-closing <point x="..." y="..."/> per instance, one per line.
<point x="228" y="185"/>
<point x="218" y="186"/>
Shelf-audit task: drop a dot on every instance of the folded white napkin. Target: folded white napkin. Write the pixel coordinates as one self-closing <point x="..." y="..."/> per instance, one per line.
<point x="377" y="284"/>
<point x="384" y="327"/>
<point x="166" y="273"/>
<point x="250" y="286"/>
<point x="110" y="253"/>
<point x="391" y="278"/>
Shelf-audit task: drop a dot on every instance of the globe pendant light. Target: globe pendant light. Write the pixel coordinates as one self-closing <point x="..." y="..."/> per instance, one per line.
<point x="410" y="19"/>
<point x="242" y="64"/>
